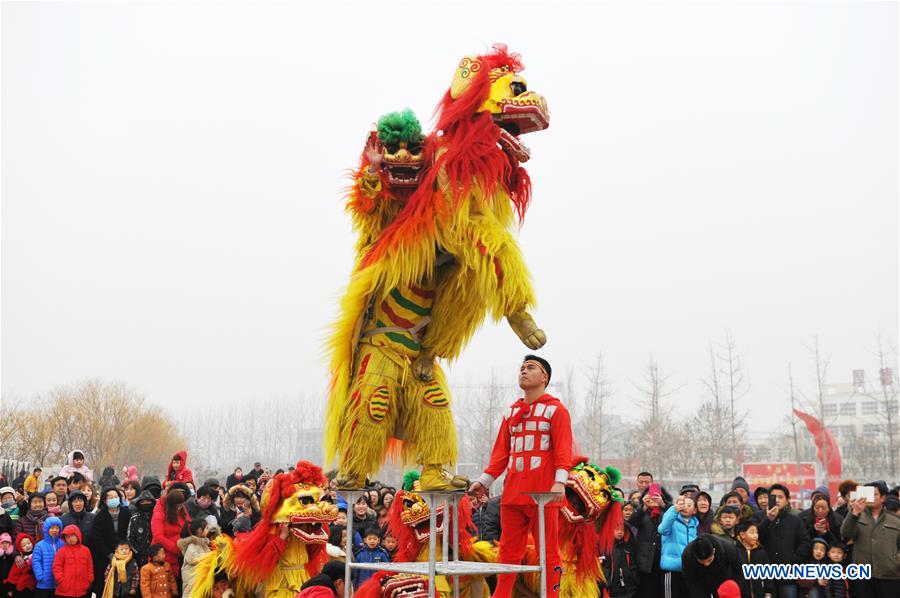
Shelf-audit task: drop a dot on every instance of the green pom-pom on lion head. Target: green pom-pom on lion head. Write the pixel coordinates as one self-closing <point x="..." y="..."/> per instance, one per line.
<point x="395" y="127"/>
<point x="613" y="475"/>
<point x="409" y="480"/>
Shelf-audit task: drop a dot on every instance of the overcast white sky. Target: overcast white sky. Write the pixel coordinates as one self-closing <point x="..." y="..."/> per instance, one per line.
<point x="172" y="212"/>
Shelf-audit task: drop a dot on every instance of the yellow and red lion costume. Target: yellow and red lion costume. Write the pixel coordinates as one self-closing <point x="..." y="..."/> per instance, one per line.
<point x="294" y="504"/>
<point x="587" y="523"/>
<point x="409" y="521"/>
<point x="435" y="257"/>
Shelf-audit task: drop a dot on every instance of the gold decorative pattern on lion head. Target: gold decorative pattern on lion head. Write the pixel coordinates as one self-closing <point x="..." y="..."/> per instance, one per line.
<point x="305" y="507"/>
<point x="589" y="491"/>
<point x="514" y="108"/>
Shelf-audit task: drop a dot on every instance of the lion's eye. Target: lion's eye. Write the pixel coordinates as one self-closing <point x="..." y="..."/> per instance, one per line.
<point x="518" y="88"/>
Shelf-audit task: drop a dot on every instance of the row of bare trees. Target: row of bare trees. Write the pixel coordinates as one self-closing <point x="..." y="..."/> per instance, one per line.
<point x="112" y="423"/>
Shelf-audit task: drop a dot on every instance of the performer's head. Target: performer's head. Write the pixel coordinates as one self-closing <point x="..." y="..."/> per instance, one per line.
<point x="535" y="372"/>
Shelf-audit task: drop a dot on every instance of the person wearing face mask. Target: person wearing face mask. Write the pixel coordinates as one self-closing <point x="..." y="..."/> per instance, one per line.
<point x="203" y="506"/>
<point x="139" y="535"/>
<point x="32" y="521"/>
<point x="110" y="527"/>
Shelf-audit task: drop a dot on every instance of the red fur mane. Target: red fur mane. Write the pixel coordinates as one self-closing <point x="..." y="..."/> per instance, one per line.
<point x="470" y="154"/>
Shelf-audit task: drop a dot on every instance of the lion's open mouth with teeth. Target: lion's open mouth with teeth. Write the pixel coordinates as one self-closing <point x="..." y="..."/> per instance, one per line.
<point x="587" y="493"/>
<point x="416" y="515"/>
<point x="310" y="532"/>
<point x="405" y="586"/>
<point x="522" y="114"/>
<point x="307" y="511"/>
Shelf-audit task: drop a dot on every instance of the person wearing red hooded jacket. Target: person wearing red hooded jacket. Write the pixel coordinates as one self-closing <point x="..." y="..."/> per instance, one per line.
<point x="21" y="576"/>
<point x="169" y="518"/>
<point x="73" y="567"/>
<point x="178" y="471"/>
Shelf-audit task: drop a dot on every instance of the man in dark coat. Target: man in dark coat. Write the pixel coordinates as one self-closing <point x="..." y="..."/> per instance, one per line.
<point x="784" y="537"/>
<point x="486" y="518"/>
<point x="707" y="563"/>
<point x="80" y="517"/>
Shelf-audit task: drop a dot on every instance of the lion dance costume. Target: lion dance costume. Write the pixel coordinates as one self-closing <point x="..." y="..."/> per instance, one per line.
<point x="409" y="522"/>
<point x="587" y="521"/>
<point x="261" y="559"/>
<point x="436" y="254"/>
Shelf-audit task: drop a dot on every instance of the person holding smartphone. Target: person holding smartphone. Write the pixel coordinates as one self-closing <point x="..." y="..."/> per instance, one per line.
<point x="784" y="537"/>
<point x="876" y="541"/>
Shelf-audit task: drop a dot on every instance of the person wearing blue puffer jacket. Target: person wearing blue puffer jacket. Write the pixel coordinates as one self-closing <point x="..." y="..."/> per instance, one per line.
<point x="678" y="528"/>
<point x="43" y="556"/>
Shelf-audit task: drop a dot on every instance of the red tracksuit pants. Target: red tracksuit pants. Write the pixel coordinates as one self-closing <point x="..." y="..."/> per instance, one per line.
<point x="516" y="521"/>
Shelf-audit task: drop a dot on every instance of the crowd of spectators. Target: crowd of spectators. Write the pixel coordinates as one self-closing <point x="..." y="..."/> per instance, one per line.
<point x="70" y="535"/>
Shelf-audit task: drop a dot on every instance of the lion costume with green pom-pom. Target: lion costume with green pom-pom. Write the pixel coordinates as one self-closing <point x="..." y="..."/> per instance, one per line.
<point x="587" y="523"/>
<point x="409" y="520"/>
<point x="435" y="257"/>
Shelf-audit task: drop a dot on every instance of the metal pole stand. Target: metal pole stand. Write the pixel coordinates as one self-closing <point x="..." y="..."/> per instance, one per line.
<point x="445" y="567"/>
<point x="542" y="499"/>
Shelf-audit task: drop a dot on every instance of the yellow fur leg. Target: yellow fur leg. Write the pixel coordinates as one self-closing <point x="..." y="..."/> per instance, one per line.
<point x="371" y="412"/>
<point x="427" y="421"/>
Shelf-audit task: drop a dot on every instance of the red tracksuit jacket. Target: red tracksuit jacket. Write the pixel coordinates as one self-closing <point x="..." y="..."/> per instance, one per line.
<point x="534" y="447"/>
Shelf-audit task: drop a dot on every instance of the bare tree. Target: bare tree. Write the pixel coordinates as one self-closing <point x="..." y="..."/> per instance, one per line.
<point x="598" y="394"/>
<point x="478" y="419"/>
<point x="110" y="422"/>
<point x="710" y="423"/>
<point x="656" y="422"/>
<point x="821" y="367"/>
<point x="888" y="379"/>
<point x="794" y="417"/>
<point x="707" y="439"/>
<point x="736" y="387"/>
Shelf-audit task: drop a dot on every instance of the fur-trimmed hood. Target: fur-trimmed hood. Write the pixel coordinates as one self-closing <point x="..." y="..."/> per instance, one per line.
<point x="228" y="501"/>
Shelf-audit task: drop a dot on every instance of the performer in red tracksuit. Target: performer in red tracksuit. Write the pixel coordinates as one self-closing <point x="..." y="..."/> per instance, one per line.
<point x="534" y="447"/>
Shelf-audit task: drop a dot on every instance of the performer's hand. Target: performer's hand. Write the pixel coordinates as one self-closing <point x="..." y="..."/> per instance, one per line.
<point x="558" y="488"/>
<point x="283" y="531"/>
<point x="373" y="154"/>
<point x="477" y="490"/>
<point x="423" y="366"/>
<point x="527" y="331"/>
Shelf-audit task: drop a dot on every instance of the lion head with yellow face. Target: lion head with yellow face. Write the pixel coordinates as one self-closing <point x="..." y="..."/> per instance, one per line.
<point x="589" y="491"/>
<point x="307" y="510"/>
<point x="515" y="109"/>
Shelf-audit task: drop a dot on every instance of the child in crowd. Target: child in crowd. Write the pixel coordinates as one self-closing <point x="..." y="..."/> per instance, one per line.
<point x="21" y="577"/>
<point x="52" y="502"/>
<point x="751" y="552"/>
<point x="123" y="575"/>
<point x="835" y="588"/>
<point x="620" y="567"/>
<point x="157" y="579"/>
<point x="194" y="547"/>
<point x="370" y="552"/>
<point x="726" y="522"/>
<point x="7" y="558"/>
<point x="45" y="553"/>
<point x="390" y="544"/>
<point x="73" y="567"/>
<point x="818" y="556"/>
